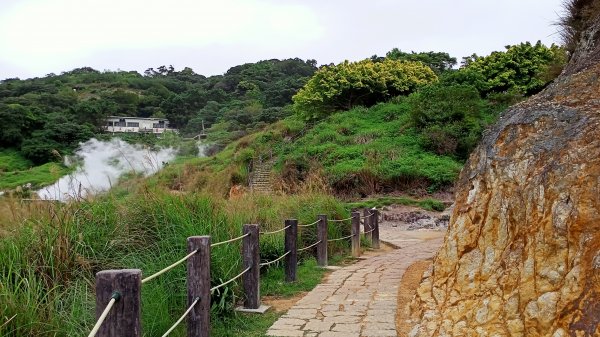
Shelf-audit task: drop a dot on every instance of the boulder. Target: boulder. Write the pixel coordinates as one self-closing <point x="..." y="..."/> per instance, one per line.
<point x="522" y="253"/>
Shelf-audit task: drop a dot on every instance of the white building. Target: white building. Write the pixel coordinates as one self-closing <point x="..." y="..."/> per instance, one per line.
<point x="137" y="125"/>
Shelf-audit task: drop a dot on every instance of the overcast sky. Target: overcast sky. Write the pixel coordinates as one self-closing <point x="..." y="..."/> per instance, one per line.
<point x="38" y="37"/>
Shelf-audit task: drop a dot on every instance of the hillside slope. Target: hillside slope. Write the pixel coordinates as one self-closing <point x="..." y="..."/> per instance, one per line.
<point x="353" y="153"/>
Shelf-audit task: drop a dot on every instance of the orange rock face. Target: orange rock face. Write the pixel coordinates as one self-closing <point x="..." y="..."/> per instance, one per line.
<point x="522" y="253"/>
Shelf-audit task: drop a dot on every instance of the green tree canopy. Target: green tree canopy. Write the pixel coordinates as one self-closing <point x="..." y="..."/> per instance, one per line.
<point x="437" y="61"/>
<point x="348" y="84"/>
<point x="524" y="68"/>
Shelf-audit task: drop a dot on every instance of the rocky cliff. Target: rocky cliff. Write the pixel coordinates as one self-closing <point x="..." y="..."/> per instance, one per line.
<point x="522" y="253"/>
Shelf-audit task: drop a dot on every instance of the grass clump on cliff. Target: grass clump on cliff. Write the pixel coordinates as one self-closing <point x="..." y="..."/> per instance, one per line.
<point x="578" y="16"/>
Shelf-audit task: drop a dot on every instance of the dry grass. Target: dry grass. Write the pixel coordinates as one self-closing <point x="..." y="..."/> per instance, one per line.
<point x="578" y="16"/>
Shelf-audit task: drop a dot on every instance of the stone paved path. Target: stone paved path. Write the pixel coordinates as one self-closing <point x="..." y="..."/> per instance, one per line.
<point x="359" y="300"/>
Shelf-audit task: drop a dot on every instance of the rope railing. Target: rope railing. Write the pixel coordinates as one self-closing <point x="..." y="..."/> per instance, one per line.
<point x="231" y="280"/>
<point x="274" y="232"/>
<point x="8" y="321"/>
<point x="367" y="216"/>
<point x="309" y="247"/>
<point x="340" y="220"/>
<point x="342" y="238"/>
<point x="164" y="270"/>
<point x="277" y="259"/>
<point x="228" y="241"/>
<point x="199" y="261"/>
<point x="310" y="224"/>
<point x="114" y="298"/>
<point x="181" y="318"/>
<point x="369" y="231"/>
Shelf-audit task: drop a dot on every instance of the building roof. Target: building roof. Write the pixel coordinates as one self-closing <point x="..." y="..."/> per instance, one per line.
<point x="143" y="118"/>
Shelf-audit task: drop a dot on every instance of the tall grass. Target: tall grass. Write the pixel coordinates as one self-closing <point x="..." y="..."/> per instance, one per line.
<point x="52" y="251"/>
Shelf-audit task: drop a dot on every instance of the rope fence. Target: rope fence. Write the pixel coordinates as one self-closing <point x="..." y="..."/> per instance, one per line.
<point x="157" y="274"/>
<point x="125" y="285"/>
<point x="231" y="280"/>
<point x="342" y="238"/>
<point x="182" y="317"/>
<point x="340" y="220"/>
<point x="114" y="298"/>
<point x="228" y="241"/>
<point x="277" y="259"/>
<point x="274" y="232"/>
<point x="309" y="247"/>
<point x="310" y="224"/>
<point x="367" y="216"/>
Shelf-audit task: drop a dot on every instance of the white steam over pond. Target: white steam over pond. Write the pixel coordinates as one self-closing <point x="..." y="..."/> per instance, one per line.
<point x="101" y="165"/>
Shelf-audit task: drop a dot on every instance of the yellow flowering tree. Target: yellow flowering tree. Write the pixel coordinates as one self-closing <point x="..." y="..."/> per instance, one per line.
<point x="349" y="84"/>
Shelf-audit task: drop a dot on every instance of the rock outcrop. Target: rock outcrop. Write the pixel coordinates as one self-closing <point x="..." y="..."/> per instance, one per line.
<point x="522" y="253"/>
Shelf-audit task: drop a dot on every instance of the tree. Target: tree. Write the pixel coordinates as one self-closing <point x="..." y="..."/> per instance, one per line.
<point x="16" y="120"/>
<point x="523" y="68"/>
<point x="348" y="84"/>
<point x="438" y="62"/>
<point x="59" y="135"/>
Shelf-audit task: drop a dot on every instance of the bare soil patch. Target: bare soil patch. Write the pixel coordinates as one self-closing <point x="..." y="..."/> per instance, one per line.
<point x="282" y="303"/>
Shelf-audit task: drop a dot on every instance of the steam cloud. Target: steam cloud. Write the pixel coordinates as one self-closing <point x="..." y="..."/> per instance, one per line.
<point x="102" y="163"/>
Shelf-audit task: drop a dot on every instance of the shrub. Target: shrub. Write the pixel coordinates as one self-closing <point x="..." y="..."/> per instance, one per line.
<point x="346" y="85"/>
<point x="450" y="118"/>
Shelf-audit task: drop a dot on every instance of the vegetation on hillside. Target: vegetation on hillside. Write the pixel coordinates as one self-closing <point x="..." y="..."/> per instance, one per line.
<point x="364" y="83"/>
<point x="439" y="62"/>
<point x="523" y="69"/>
<point x="46" y="118"/>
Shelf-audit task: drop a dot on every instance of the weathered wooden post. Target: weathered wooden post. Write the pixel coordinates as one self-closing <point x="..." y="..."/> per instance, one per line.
<point x="367" y="225"/>
<point x="291" y="246"/>
<point x="123" y="320"/>
<point x="198" y="283"/>
<point x="322" y="239"/>
<point x="251" y="259"/>
<point x="355" y="231"/>
<point x="375" y="223"/>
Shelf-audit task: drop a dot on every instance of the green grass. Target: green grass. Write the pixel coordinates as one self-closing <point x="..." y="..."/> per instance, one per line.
<point x="37" y="176"/>
<point x="50" y="288"/>
<point x="360" y="151"/>
<point x="16" y="170"/>
<point x="12" y="160"/>
<point x="426" y="204"/>
<point x="376" y="142"/>
<point x="272" y="284"/>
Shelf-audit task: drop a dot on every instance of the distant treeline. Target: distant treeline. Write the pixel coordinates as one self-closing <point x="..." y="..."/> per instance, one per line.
<point x="46" y="117"/>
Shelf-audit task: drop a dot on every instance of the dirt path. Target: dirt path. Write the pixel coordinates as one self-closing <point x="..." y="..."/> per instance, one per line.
<point x="360" y="300"/>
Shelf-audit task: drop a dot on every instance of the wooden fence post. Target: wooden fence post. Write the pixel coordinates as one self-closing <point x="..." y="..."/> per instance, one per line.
<point x="322" y="237"/>
<point x="355" y="231"/>
<point x="251" y="259"/>
<point x="375" y="224"/>
<point x="198" y="283"/>
<point x="124" y="318"/>
<point x="291" y="245"/>
<point x="368" y="224"/>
